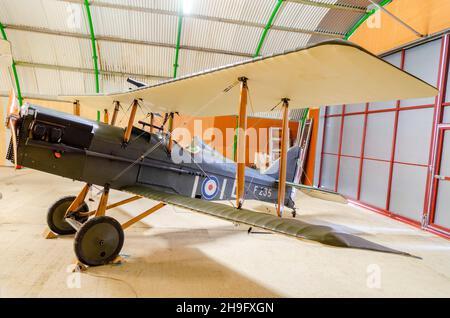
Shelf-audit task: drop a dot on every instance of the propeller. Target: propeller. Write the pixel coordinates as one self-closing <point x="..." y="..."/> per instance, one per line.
<point x="11" y="120"/>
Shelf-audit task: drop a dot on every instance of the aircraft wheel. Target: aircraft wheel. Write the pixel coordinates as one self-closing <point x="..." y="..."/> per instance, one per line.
<point x="55" y="216"/>
<point x="99" y="241"/>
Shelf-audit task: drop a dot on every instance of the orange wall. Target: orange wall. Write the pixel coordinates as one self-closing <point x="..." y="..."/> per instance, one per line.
<point x="197" y="126"/>
<point x="426" y="16"/>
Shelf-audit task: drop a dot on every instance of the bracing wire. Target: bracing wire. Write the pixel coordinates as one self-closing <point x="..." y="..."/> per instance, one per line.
<point x="150" y="150"/>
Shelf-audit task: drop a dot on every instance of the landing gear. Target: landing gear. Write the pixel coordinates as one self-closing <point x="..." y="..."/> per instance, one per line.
<point x="56" y="215"/>
<point x="99" y="241"/>
<point x="99" y="238"/>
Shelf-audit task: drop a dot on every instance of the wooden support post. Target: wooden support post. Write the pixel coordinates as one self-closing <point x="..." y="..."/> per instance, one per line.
<point x="143" y="215"/>
<point x="241" y="144"/>
<point x="76" y="108"/>
<point x="283" y="157"/>
<point x="49" y="235"/>
<point x="79" y="200"/>
<point x="105" y="116"/>
<point x="127" y="134"/>
<point x="169" y="131"/>
<point x="152" y="122"/>
<point x="115" y="113"/>
<point x="101" y="210"/>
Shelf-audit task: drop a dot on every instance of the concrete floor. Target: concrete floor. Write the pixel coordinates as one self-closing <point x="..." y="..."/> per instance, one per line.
<point x="176" y="253"/>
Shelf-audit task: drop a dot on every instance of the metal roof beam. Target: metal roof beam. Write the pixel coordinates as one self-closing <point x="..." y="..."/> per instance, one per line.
<point x="336" y="6"/>
<point x="210" y="18"/>
<point x="38" y="97"/>
<point x="268" y="26"/>
<point x="94" y="45"/>
<point x="87" y="70"/>
<point x="312" y="3"/>
<point x="121" y="40"/>
<point x="177" y="49"/>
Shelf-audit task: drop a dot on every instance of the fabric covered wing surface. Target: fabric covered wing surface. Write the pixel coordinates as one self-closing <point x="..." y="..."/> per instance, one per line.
<point x="329" y="73"/>
<point x="295" y="228"/>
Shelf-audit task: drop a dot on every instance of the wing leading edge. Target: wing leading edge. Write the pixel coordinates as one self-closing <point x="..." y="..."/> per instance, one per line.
<point x="294" y="228"/>
<point x="328" y="73"/>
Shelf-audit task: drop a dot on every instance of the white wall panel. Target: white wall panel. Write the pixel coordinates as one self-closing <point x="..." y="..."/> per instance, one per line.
<point x="380" y="129"/>
<point x="446" y="116"/>
<point x="335" y="110"/>
<point x="442" y="212"/>
<point x="329" y="163"/>
<point x="374" y="183"/>
<point x="447" y="94"/>
<point x="394" y="59"/>
<point x="423" y="62"/>
<point x="332" y="132"/>
<point x="352" y="135"/>
<point x="348" y="177"/>
<point x="408" y="191"/>
<point x="445" y="159"/>
<point x="414" y="136"/>
<point x="355" y="108"/>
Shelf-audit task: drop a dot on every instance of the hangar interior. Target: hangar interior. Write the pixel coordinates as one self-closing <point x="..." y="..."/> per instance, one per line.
<point x="389" y="159"/>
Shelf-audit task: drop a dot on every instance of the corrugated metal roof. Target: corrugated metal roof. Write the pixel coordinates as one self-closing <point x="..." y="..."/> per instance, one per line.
<point x="198" y="61"/>
<point x="51" y="41"/>
<point x="136" y="59"/>
<point x="294" y="114"/>
<point x="135" y="25"/>
<point x="50" y="49"/>
<point x="220" y="35"/>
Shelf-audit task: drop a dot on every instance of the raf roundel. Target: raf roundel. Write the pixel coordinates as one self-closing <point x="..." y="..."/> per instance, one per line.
<point x="210" y="187"/>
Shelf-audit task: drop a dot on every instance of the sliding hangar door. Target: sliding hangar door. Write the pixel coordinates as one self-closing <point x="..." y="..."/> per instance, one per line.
<point x="394" y="157"/>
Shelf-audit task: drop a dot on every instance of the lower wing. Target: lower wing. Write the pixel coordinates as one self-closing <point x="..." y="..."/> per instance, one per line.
<point x="294" y="228"/>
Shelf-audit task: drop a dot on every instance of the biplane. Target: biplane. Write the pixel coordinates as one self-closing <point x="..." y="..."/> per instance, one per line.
<point x="141" y="162"/>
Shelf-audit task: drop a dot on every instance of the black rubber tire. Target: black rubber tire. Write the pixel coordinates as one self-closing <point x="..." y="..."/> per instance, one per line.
<point x="55" y="216"/>
<point x="99" y="241"/>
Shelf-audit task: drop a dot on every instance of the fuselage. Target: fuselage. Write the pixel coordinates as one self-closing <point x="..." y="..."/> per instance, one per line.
<point x="93" y="152"/>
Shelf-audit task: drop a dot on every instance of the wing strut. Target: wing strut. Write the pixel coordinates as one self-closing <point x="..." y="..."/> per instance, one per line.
<point x="241" y="143"/>
<point x="127" y="134"/>
<point x="106" y="116"/>
<point x="169" y="131"/>
<point x="283" y="157"/>
<point x="76" y="108"/>
<point x="115" y="113"/>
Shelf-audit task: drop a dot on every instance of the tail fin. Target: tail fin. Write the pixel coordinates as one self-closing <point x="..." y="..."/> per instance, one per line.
<point x="292" y="161"/>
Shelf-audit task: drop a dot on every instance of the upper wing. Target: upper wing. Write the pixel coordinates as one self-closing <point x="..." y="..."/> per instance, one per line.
<point x="329" y="73"/>
<point x="299" y="229"/>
